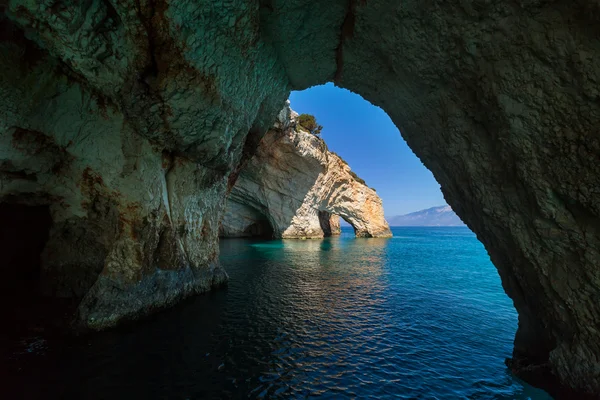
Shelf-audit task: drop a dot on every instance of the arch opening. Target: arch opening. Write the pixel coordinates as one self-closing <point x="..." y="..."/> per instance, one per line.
<point x="503" y="120"/>
<point x="365" y="137"/>
<point x="24" y="304"/>
<point x="330" y="224"/>
<point x="242" y="220"/>
<point x="347" y="223"/>
<point x="23" y="234"/>
<point x="380" y="167"/>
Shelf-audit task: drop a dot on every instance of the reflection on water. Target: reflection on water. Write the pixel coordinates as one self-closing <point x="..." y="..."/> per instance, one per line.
<point x="318" y="308"/>
<point x="415" y="316"/>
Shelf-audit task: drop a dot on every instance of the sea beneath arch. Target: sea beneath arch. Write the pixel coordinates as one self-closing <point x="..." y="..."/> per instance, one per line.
<point x="421" y="315"/>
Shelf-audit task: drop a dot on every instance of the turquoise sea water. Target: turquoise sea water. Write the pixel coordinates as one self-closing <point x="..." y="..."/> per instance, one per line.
<point x="419" y="316"/>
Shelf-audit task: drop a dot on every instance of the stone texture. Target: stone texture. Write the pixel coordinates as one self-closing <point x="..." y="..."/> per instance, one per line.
<point x="296" y="184"/>
<point x="243" y="220"/>
<point x="498" y="99"/>
<point x="134" y="226"/>
<point x="330" y="223"/>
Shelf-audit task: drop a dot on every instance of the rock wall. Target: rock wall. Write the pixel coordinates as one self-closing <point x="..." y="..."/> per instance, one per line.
<point x="498" y="99"/>
<point x="301" y="188"/>
<point x="330" y="223"/>
<point x="108" y="120"/>
<point x="134" y="226"/>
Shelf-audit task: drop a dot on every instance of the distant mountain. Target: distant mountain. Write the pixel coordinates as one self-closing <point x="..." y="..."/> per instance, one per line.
<point x="435" y="216"/>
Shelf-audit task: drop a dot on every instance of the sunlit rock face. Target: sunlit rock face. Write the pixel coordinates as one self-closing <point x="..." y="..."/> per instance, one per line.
<point x="498" y="99"/>
<point x="301" y="188"/>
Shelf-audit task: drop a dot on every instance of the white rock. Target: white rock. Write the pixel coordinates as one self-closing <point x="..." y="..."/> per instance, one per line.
<point x="290" y="181"/>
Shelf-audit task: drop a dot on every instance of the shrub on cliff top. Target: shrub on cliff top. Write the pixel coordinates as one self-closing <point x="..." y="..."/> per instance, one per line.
<point x="358" y="178"/>
<point x="309" y="122"/>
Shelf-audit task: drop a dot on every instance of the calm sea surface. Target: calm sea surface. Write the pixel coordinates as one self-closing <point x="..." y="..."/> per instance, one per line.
<point x="419" y="316"/>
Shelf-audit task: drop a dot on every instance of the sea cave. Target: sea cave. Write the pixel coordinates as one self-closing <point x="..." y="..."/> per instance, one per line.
<point x="125" y="125"/>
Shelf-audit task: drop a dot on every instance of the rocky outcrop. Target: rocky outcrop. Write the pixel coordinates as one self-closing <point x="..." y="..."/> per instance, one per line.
<point x="300" y="188"/>
<point x="134" y="224"/>
<point x="164" y="100"/>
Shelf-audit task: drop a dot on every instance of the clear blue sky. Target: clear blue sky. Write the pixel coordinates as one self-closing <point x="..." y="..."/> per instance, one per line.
<point x="368" y="140"/>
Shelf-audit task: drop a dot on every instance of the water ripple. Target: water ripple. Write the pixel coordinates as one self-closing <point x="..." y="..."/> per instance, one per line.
<point x="419" y="316"/>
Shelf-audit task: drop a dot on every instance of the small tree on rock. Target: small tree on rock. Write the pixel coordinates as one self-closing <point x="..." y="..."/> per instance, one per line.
<point x="309" y="122"/>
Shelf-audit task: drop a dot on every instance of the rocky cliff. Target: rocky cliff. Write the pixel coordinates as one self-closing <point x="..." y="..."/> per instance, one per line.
<point x="294" y="187"/>
<point x="129" y="119"/>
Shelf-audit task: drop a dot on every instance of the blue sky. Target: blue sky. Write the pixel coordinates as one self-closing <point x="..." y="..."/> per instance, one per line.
<point x="368" y="140"/>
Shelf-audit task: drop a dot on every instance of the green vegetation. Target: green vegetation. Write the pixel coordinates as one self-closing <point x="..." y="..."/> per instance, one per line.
<point x="352" y="173"/>
<point x="309" y="122"/>
<point x="358" y="178"/>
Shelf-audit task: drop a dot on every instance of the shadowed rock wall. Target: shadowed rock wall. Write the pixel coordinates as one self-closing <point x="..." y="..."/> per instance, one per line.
<point x="134" y="225"/>
<point x="330" y="224"/>
<point x="498" y="99"/>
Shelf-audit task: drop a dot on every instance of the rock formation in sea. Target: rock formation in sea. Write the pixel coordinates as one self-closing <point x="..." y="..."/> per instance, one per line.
<point x="128" y="120"/>
<point x="294" y="187"/>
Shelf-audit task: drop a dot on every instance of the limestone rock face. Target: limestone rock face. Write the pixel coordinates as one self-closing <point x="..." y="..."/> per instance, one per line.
<point x="134" y="226"/>
<point x="330" y="224"/>
<point x="498" y="99"/>
<point x="300" y="188"/>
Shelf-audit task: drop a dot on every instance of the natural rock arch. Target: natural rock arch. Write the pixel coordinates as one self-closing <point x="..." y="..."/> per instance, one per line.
<point x="506" y="119"/>
<point x="498" y="99"/>
<point x="298" y="184"/>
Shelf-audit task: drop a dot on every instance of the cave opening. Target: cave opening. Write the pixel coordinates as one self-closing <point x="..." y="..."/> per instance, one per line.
<point x="471" y="121"/>
<point x="372" y="145"/>
<point x="259" y="229"/>
<point x="364" y="135"/>
<point x="245" y="221"/>
<point x="24" y="232"/>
